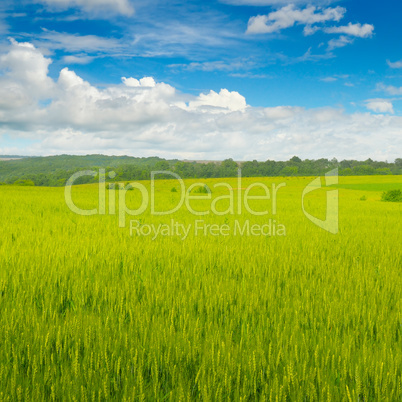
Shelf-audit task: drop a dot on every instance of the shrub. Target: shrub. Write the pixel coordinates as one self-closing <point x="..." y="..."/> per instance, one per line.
<point x="363" y="198"/>
<point x="202" y="190"/>
<point x="392" y="196"/>
<point x="173" y="190"/>
<point x="22" y="182"/>
<point x="119" y="186"/>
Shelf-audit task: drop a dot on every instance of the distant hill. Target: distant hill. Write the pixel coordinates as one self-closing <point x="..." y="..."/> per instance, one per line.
<point x="55" y="170"/>
<point x="11" y="157"/>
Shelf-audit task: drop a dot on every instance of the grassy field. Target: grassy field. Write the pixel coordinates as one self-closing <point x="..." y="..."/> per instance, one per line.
<point x="90" y="311"/>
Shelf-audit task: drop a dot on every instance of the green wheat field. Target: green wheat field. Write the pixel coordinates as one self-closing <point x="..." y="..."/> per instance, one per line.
<point x="92" y="312"/>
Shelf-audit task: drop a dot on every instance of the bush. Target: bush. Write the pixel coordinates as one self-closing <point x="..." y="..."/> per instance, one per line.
<point x="173" y="190"/>
<point x="22" y="182"/>
<point x="117" y="186"/>
<point x="363" y="198"/>
<point x="202" y="190"/>
<point x="392" y="196"/>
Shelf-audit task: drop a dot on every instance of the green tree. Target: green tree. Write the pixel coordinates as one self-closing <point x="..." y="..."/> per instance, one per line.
<point x="162" y="165"/>
<point x="289" y="171"/>
<point x="295" y="159"/>
<point x="228" y="168"/>
<point x="384" y="171"/>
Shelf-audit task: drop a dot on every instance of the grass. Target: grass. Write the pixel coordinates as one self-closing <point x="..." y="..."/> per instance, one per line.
<point x="370" y="183"/>
<point x="88" y="312"/>
<point x="370" y="186"/>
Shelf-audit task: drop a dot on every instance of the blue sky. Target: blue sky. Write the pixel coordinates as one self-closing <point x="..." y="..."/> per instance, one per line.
<point x="232" y="78"/>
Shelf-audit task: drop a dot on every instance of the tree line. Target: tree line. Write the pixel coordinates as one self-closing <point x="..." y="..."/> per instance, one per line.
<point x="56" y="170"/>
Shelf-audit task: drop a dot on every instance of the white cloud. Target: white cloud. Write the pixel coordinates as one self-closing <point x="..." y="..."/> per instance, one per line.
<point x="380" y="106"/>
<point x="309" y="30"/>
<point x="390" y="89"/>
<point x="309" y="56"/>
<point x="225" y="101"/>
<point x="340" y="42"/>
<point x="77" y="43"/>
<point x="77" y="59"/>
<point x="131" y="82"/>
<point x="147" y="82"/>
<point x="218" y="65"/>
<point x="4" y="28"/>
<point x="396" y="64"/>
<point x="328" y="79"/>
<point x="359" y="30"/>
<point x="189" y="36"/>
<point x="282" y="112"/>
<point x="148" y="40"/>
<point x="288" y="16"/>
<point x="123" y="7"/>
<point x="335" y="77"/>
<point x="274" y="2"/>
<point x="143" y="82"/>
<point x="25" y="72"/>
<point x="142" y="117"/>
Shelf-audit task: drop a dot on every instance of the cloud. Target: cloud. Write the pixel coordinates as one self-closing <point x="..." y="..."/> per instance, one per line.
<point x="335" y="78"/>
<point x="274" y="2"/>
<point x="25" y="72"/>
<point x="309" y="30"/>
<point x="340" y="42"/>
<point x="328" y="79"/>
<point x="224" y="100"/>
<point x="380" y="106"/>
<point x="217" y="65"/>
<point x="250" y="75"/>
<point x="358" y="30"/>
<point x="289" y="15"/>
<point x="309" y="56"/>
<point x="144" y="117"/>
<point x="390" y="89"/>
<point x="397" y="64"/>
<point x="147" y="40"/>
<point x="191" y="37"/>
<point x="123" y="7"/>
<point x="77" y="59"/>
<point x="4" y="28"/>
<point x="143" y="82"/>
<point x="77" y="43"/>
